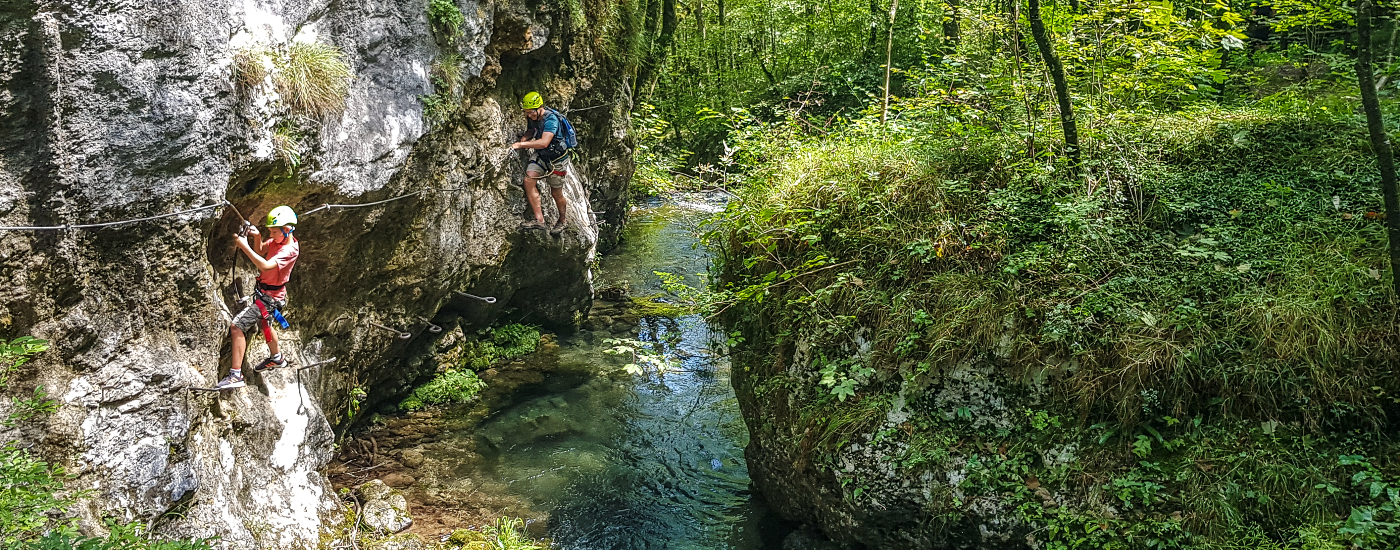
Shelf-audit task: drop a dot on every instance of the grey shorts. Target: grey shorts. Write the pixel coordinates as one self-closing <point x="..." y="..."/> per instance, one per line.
<point x="250" y="315"/>
<point x="538" y="168"/>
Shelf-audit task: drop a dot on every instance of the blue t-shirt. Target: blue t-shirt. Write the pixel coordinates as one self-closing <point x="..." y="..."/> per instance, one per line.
<point x="547" y="123"/>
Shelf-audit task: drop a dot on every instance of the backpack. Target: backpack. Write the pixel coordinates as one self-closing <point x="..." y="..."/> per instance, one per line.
<point x="566" y="130"/>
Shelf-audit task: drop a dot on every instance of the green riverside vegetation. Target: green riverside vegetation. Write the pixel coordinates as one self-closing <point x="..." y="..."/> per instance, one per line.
<point x="1210" y="327"/>
<point x="1174" y="304"/>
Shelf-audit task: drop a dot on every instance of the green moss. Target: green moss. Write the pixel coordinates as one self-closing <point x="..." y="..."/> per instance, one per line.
<point x="653" y="306"/>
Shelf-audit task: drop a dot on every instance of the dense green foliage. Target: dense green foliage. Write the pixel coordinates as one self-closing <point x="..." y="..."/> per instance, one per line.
<point x="31" y="488"/>
<point x="507" y="342"/>
<point x="446" y="15"/>
<point x="1192" y="345"/>
<point x="1213" y="296"/>
<point x="450" y="386"/>
<point x="459" y="383"/>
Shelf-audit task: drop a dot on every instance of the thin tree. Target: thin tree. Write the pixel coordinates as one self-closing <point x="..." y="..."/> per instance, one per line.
<point x="889" y="59"/>
<point x="1380" y="142"/>
<point x="951" y="26"/>
<point x="1057" y="75"/>
<point x="660" y="50"/>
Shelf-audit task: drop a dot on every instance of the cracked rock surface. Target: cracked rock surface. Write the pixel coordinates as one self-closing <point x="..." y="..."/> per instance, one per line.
<point x="116" y="110"/>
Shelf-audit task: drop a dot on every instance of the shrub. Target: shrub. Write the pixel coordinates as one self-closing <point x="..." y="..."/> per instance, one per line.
<point x="313" y="78"/>
<point x="452" y="386"/>
<point x="446" y="15"/>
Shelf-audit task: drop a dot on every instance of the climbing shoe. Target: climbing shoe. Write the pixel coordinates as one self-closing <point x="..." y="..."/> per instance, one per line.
<point x="558" y="227"/>
<point x="232" y="381"/>
<point x="532" y="224"/>
<point x="271" y="363"/>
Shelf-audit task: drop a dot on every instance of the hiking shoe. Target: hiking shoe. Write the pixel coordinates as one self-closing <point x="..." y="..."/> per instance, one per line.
<point x="532" y="224"/>
<point x="234" y="380"/>
<point x="558" y="227"/>
<point x="271" y="363"/>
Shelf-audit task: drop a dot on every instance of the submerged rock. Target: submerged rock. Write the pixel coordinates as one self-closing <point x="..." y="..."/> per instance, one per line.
<point x="385" y="509"/>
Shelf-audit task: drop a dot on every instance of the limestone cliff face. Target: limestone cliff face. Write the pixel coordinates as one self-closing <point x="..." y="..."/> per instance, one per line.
<point x="115" y="110"/>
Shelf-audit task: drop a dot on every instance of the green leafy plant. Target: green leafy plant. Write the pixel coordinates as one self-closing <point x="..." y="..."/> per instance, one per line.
<point x="451" y="386"/>
<point x="436" y="107"/>
<point x="447" y="16"/>
<point x="501" y="343"/>
<point x="313" y="78"/>
<point x="508" y="534"/>
<point x="1374" y="525"/>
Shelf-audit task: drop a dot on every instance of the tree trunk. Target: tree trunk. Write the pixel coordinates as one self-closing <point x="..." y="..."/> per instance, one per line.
<point x="645" y="65"/>
<point x="700" y="17"/>
<point x="889" y="58"/>
<point x="720" y="7"/>
<point x="1057" y="75"/>
<point x="877" y="15"/>
<point x="951" y="27"/>
<point x="1380" y="142"/>
<point x="662" y="48"/>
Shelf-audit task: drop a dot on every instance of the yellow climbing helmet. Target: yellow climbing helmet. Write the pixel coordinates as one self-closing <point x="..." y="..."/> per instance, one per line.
<point x="280" y="216"/>
<point x="532" y="101"/>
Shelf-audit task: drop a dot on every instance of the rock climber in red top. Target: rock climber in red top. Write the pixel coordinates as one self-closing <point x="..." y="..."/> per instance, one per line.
<point x="274" y="259"/>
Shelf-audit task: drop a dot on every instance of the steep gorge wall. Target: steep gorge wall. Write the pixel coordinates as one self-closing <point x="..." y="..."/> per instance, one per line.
<point x="118" y="110"/>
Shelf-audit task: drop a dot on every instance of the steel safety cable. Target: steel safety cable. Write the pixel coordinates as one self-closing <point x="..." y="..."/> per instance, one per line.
<point x="390" y="199"/>
<point x="219" y="204"/>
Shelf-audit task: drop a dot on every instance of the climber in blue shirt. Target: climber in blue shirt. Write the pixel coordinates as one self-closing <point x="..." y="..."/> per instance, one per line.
<point x="549" y="159"/>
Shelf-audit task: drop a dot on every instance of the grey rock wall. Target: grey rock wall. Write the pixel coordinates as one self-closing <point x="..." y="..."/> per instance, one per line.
<point x="114" y="110"/>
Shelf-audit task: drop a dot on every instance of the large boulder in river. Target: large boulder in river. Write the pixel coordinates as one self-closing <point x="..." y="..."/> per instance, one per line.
<point x="119" y="110"/>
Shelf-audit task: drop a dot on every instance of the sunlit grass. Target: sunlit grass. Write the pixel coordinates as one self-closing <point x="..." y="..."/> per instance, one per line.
<point x="313" y="78"/>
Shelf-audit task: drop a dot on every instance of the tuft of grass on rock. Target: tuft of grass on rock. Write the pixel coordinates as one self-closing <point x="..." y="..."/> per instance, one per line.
<point x="313" y="78"/>
<point x="250" y="67"/>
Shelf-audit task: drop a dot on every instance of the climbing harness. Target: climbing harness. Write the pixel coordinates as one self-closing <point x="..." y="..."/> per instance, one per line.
<point x="488" y="299"/>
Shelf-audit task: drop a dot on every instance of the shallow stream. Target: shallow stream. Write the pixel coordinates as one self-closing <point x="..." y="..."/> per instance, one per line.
<point x="619" y="461"/>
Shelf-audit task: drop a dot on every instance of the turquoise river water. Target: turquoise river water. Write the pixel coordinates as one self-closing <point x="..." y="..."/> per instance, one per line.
<point x="622" y="462"/>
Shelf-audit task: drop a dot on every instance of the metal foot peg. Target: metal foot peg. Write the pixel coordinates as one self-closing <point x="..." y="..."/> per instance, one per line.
<point x="488" y="299"/>
<point x="402" y="335"/>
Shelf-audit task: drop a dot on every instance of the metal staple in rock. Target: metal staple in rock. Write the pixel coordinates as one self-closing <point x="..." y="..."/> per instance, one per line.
<point x="402" y="335"/>
<point x="488" y="299"/>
